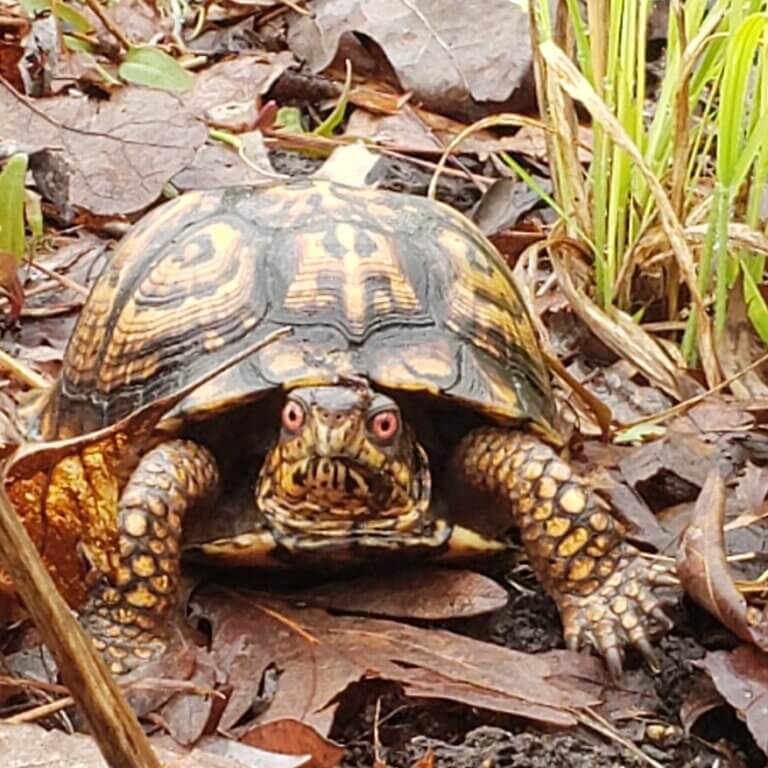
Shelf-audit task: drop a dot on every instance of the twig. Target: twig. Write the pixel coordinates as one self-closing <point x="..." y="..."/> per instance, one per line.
<point x="674" y="410"/>
<point x="110" y="25"/>
<point x="63" y="279"/>
<point x="39" y="712"/>
<point x="22" y="373"/>
<point x="113" y="723"/>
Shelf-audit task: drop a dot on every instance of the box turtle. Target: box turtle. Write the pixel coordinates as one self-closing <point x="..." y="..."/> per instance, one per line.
<point x="409" y="412"/>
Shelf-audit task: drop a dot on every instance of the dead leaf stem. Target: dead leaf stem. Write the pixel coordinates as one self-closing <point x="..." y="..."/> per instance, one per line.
<point x="109" y="24"/>
<point x="22" y="373"/>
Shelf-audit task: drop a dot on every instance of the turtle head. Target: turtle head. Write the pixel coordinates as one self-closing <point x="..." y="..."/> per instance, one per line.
<point x="344" y="465"/>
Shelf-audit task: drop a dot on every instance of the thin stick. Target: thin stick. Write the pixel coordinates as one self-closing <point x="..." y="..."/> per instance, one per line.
<point x="110" y="25"/>
<point x="38" y="713"/>
<point x="63" y="279"/>
<point x="23" y="373"/>
<point x="113" y="723"/>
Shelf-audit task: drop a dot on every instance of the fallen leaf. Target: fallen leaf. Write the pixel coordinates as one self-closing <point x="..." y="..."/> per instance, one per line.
<point x="741" y="678"/>
<point x="702" y="698"/>
<point x="249" y="756"/>
<point x="139" y="20"/>
<point x="505" y="202"/>
<point x="417" y="130"/>
<point x="739" y="346"/>
<point x="118" y="154"/>
<point x="218" y="165"/>
<point x="703" y="568"/>
<point x="452" y="57"/>
<point x="315" y="656"/>
<point x="292" y="737"/>
<point x="239" y="80"/>
<point x="351" y="164"/>
<point x="624" y="336"/>
<point x="23" y="746"/>
<point x="418" y="593"/>
<point x="672" y="468"/>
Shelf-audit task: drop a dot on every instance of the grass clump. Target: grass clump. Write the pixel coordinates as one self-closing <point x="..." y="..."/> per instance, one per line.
<point x="677" y="175"/>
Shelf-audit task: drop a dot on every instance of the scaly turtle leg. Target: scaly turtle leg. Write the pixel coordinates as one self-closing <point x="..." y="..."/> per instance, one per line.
<point x="604" y="589"/>
<point x="129" y="616"/>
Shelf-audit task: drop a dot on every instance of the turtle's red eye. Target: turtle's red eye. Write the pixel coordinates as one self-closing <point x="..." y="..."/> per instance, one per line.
<point x="384" y="426"/>
<point x="293" y="416"/>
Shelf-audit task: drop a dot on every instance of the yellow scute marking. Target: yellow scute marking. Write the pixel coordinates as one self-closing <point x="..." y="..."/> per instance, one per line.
<point x="348" y="273"/>
<point x="431" y="362"/>
<point x="470" y="303"/>
<point x="354" y="271"/>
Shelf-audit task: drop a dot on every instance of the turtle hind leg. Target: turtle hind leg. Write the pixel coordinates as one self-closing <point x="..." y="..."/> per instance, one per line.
<point x="130" y="613"/>
<point x="605" y="590"/>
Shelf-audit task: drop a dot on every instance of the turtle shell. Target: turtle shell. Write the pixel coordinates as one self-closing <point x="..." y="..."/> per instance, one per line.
<point x="395" y="288"/>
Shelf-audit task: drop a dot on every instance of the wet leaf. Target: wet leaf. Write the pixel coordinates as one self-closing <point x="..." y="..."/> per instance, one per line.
<point x="741" y="678"/>
<point x="703" y="569"/>
<point x="149" y="66"/>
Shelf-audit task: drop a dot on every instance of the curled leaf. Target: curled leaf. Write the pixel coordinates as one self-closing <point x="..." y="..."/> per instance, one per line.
<point x="703" y="568"/>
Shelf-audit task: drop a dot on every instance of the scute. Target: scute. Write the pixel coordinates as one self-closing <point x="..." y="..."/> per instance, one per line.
<point x="391" y="287"/>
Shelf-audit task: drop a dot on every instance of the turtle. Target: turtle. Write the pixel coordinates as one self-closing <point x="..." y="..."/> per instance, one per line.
<point x="406" y="412"/>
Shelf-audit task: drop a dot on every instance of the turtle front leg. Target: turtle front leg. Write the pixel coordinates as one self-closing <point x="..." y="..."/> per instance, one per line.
<point x="604" y="588"/>
<point x="128" y="615"/>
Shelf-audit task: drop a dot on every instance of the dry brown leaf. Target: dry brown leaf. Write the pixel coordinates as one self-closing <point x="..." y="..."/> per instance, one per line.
<point x="416" y="130"/>
<point x="418" y="593"/>
<point x="741" y="678"/>
<point x="427" y="760"/>
<point x="622" y="335"/>
<point x="240" y="80"/>
<point x="292" y="737"/>
<point x="505" y="202"/>
<point x="739" y="346"/>
<point x="23" y="746"/>
<point x="116" y="155"/>
<point x="702" y="698"/>
<point x="703" y="569"/>
<point x="218" y="165"/>
<point x="452" y="57"/>
<point x="318" y="655"/>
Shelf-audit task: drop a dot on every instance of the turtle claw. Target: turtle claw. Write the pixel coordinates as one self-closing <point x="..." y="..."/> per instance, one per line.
<point x="625" y="611"/>
<point x="614" y="660"/>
